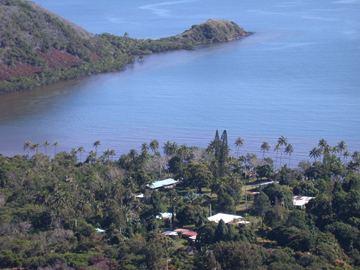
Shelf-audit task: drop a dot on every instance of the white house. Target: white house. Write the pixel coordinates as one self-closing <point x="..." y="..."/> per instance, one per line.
<point x="163" y="184"/>
<point x="300" y="201"/>
<point x="227" y="218"/>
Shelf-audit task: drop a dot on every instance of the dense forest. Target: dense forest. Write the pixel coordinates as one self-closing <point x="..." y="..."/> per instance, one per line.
<point x="81" y="210"/>
<point x="38" y="47"/>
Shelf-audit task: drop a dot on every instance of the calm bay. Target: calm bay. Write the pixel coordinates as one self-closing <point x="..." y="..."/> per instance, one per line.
<point x="297" y="76"/>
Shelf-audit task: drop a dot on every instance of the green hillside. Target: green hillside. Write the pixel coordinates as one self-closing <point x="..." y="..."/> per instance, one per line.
<point x="38" y="47"/>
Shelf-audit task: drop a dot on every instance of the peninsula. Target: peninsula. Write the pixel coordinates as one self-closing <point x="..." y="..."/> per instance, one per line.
<point x="38" y="47"/>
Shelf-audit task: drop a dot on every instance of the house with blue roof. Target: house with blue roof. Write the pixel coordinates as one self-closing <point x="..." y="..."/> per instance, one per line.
<point x="163" y="184"/>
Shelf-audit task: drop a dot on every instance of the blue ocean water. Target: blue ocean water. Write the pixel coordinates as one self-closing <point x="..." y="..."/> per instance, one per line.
<point x="297" y="76"/>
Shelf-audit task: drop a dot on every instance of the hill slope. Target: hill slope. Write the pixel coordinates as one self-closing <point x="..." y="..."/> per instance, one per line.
<point x="38" y="47"/>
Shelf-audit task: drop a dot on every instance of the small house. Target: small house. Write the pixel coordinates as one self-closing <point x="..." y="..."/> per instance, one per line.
<point x="227" y="218"/>
<point x="300" y="201"/>
<point x="163" y="184"/>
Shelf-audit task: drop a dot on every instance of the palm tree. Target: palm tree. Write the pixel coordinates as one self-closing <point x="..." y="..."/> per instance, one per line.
<point x="154" y="145"/>
<point x="174" y="148"/>
<point x="289" y="149"/>
<point x="80" y="149"/>
<point x="323" y="144"/>
<point x="346" y="155"/>
<point x="74" y="152"/>
<point x="96" y="144"/>
<point x="342" y="147"/>
<point x="314" y="153"/>
<point x="112" y="153"/>
<point x="265" y="148"/>
<point x="27" y="146"/>
<point x="282" y="141"/>
<point x="107" y="154"/>
<point x="55" y="144"/>
<point x="167" y="148"/>
<point x="168" y="151"/>
<point x="133" y="154"/>
<point x="335" y="150"/>
<point x="92" y="156"/>
<point x="355" y="155"/>
<point x="145" y="147"/>
<point x="276" y="148"/>
<point x="325" y="147"/>
<point x="46" y="145"/>
<point x="239" y="142"/>
<point x="32" y="149"/>
<point x="35" y="147"/>
<point x="183" y="152"/>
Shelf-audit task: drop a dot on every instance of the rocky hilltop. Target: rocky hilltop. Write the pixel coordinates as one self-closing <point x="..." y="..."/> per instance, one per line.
<point x="38" y="47"/>
<point x="212" y="31"/>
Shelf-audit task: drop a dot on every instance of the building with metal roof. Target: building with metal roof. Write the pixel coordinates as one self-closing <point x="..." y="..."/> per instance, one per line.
<point x="227" y="218"/>
<point x="163" y="184"/>
<point x="300" y="201"/>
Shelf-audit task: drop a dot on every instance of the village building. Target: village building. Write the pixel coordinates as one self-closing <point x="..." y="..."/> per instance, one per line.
<point x="300" y="201"/>
<point x="170" y="233"/>
<point x="163" y="184"/>
<point x="228" y="219"/>
<point x="181" y="230"/>
<point x="266" y="183"/>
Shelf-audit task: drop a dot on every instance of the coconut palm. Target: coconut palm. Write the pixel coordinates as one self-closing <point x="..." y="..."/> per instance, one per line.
<point x="92" y="156"/>
<point x="112" y="153"/>
<point x="325" y="148"/>
<point x="145" y="147"/>
<point x="342" y="147"/>
<point x="35" y="147"/>
<point x="168" y="151"/>
<point x="282" y="141"/>
<point x="265" y="148"/>
<point x="154" y="145"/>
<point x="27" y="146"/>
<point x="314" y="153"/>
<point x="239" y="142"/>
<point x="323" y="144"/>
<point x="335" y="150"/>
<point x="80" y="149"/>
<point x="167" y="148"/>
<point x="183" y="152"/>
<point x="133" y="154"/>
<point x="96" y="144"/>
<point x="74" y="152"/>
<point x="107" y="154"/>
<point x="55" y="144"/>
<point x="355" y="156"/>
<point x="174" y="148"/>
<point x="289" y="149"/>
<point x="276" y="148"/>
<point x="346" y="155"/>
<point x="46" y="146"/>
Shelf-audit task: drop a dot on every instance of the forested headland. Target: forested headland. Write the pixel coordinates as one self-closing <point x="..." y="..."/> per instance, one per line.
<point x="38" y="47"/>
<point x="81" y="210"/>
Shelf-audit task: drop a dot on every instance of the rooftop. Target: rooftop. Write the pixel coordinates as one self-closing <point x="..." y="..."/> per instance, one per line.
<point x="267" y="183"/>
<point x="181" y="230"/>
<point x="170" y="233"/>
<point x="189" y="233"/>
<point x="227" y="218"/>
<point x="301" y="200"/>
<point x="165" y="215"/>
<point x="162" y="183"/>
